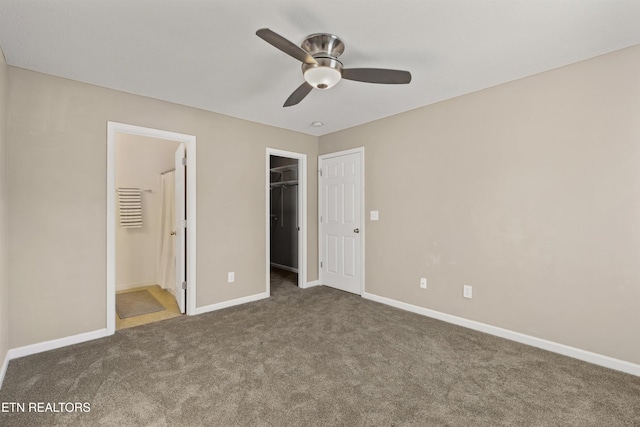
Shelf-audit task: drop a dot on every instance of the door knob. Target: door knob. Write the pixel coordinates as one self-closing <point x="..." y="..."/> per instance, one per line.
<point x="357" y="230"/>
<point x="173" y="233"/>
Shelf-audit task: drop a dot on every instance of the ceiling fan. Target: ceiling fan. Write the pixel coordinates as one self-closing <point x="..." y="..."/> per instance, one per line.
<point x="320" y="65"/>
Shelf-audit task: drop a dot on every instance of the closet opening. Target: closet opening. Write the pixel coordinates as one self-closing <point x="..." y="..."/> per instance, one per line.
<point x="286" y="222"/>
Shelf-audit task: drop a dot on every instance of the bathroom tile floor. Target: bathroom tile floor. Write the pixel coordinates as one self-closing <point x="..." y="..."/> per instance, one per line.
<point x="164" y="297"/>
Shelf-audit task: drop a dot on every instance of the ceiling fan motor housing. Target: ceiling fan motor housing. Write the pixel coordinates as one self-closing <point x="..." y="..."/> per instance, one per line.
<point x="323" y="44"/>
<point x="325" y="49"/>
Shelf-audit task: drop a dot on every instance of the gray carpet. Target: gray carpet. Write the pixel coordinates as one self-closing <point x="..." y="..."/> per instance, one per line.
<point x="131" y="304"/>
<point x="315" y="357"/>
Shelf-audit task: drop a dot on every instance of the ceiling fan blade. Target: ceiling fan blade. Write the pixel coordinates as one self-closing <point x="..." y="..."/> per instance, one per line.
<point x="298" y="94"/>
<point x="285" y="45"/>
<point x="377" y="75"/>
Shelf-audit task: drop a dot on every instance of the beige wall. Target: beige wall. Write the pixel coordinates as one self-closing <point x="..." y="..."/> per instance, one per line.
<point x="139" y="162"/>
<point x="4" y="235"/>
<point x="57" y="175"/>
<point x="528" y="191"/>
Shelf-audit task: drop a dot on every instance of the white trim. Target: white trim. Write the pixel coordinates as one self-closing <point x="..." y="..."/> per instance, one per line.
<point x="28" y="350"/>
<point x="359" y="150"/>
<point x="311" y="284"/>
<point x="231" y="303"/>
<point x="3" y="368"/>
<point x="40" y="347"/>
<point x="190" y="141"/>
<point x="576" y="353"/>
<point x="302" y="214"/>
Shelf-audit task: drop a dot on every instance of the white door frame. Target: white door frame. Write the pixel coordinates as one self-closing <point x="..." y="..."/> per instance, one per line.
<point x="302" y="214"/>
<point x="363" y="233"/>
<point x="114" y="128"/>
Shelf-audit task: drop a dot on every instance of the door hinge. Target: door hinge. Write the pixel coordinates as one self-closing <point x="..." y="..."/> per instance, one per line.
<point x="184" y="161"/>
<point x="184" y="285"/>
<point x="184" y="223"/>
<point x="320" y="264"/>
<point x="320" y="170"/>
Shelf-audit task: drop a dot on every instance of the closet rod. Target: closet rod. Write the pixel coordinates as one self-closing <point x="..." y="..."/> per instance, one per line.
<point x="283" y="183"/>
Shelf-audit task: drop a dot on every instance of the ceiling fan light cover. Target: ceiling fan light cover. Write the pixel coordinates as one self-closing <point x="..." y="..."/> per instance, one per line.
<point x="322" y="77"/>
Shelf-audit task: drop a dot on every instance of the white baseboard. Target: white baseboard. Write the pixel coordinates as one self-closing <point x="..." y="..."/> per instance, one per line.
<point x="231" y="303"/>
<point x="311" y="284"/>
<point x="28" y="350"/>
<point x="3" y="368"/>
<point x="576" y="353"/>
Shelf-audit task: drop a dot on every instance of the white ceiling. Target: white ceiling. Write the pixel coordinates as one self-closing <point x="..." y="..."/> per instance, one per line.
<point x="205" y="54"/>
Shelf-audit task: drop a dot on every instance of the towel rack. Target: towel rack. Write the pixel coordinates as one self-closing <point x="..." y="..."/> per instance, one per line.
<point x="130" y="206"/>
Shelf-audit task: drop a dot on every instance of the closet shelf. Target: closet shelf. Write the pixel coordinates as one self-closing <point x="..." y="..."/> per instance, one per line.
<point x="284" y="175"/>
<point x="284" y="168"/>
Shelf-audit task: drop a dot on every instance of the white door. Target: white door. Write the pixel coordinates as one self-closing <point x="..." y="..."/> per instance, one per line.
<point x="180" y="227"/>
<point x="341" y="221"/>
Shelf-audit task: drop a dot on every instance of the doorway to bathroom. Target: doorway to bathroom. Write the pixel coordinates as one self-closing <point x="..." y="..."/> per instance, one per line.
<point x="286" y="219"/>
<point x="150" y="225"/>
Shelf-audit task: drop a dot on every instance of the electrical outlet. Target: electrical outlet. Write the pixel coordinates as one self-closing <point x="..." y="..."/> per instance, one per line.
<point x="231" y="277"/>
<point x="467" y="291"/>
<point x="423" y="283"/>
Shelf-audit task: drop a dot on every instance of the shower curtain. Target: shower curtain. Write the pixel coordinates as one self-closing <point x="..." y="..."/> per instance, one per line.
<point x="167" y="262"/>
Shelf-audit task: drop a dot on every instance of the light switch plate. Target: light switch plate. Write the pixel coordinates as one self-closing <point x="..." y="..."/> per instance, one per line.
<point x="374" y="215"/>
